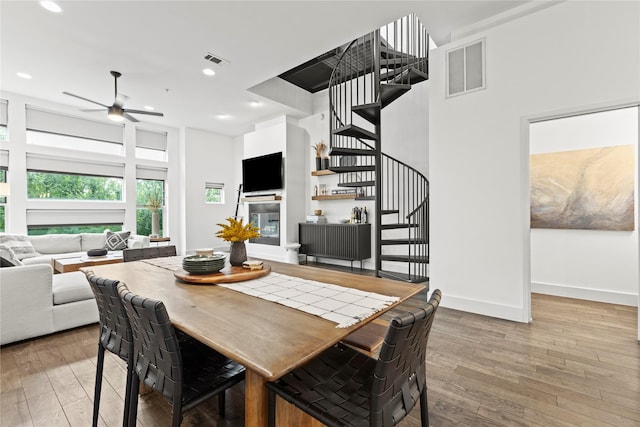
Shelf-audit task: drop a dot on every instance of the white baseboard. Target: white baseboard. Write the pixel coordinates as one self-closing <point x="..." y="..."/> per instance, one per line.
<point x="484" y="308"/>
<point x="598" y="295"/>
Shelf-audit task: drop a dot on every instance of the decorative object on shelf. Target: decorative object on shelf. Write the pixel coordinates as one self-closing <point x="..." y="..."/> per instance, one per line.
<point x="236" y="232"/>
<point x="323" y="189"/>
<point x="154" y="204"/>
<point x="324" y="162"/>
<point x="317" y="212"/>
<point x="319" y="149"/>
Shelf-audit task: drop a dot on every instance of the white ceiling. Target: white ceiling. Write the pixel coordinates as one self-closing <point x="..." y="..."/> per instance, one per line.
<point x="159" y="46"/>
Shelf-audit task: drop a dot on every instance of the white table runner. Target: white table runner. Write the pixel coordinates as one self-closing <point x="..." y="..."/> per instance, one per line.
<point x="339" y="304"/>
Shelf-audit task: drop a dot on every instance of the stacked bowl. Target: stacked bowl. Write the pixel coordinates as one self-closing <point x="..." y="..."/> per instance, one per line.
<point x="203" y="264"/>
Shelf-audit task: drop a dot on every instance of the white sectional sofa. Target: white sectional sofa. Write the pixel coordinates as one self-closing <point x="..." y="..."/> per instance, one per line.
<point x="35" y="302"/>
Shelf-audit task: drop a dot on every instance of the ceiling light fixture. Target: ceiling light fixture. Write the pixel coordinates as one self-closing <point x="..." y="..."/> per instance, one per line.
<point x="51" y="6"/>
<point x="255" y="103"/>
<point x="115" y="113"/>
<point x="24" y="75"/>
<point x="149" y="108"/>
<point x="208" y="72"/>
<point x="223" y="116"/>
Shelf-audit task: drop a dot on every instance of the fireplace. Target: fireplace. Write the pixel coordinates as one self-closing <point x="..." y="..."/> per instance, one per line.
<point x="266" y="216"/>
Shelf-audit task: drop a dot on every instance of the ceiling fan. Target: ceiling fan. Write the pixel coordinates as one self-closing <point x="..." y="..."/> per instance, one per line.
<point x="116" y="112"/>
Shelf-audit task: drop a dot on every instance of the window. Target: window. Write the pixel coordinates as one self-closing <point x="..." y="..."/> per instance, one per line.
<point x="465" y="69"/>
<point x="213" y="192"/>
<point x="3" y="200"/>
<point x="38" y="230"/>
<point x="63" y="131"/>
<point x="149" y="199"/>
<point x="61" y="186"/>
<point x="151" y="145"/>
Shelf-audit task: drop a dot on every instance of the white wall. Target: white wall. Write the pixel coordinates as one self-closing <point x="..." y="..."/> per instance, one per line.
<point x="271" y="136"/>
<point x="209" y="157"/>
<point x="569" y="56"/>
<point x="588" y="264"/>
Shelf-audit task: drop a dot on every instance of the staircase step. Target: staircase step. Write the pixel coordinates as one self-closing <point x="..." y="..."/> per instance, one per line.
<point x="395" y="226"/>
<point x="411" y="278"/>
<point x="366" y="198"/>
<point x="369" y="112"/>
<point x="356" y="132"/>
<point x="345" y="169"/>
<point x="405" y="258"/>
<point x="357" y="184"/>
<point x="393" y="62"/>
<point x="390" y="92"/>
<point x="339" y="151"/>
<point x="389" y="211"/>
<point x="410" y="75"/>
<point x="404" y="242"/>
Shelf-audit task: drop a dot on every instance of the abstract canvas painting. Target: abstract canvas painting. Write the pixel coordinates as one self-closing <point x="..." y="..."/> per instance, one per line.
<point x="583" y="189"/>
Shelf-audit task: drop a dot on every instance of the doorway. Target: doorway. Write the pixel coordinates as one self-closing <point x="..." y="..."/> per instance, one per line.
<point x="577" y="164"/>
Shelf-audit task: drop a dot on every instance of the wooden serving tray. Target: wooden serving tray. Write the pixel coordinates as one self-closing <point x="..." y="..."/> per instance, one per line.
<point x="230" y="274"/>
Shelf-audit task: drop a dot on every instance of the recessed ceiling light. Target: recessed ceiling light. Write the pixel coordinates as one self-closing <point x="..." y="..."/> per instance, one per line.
<point x="255" y="103"/>
<point x="149" y="108"/>
<point x="208" y="72"/>
<point x="223" y="116"/>
<point x="51" y="6"/>
<point x="24" y="76"/>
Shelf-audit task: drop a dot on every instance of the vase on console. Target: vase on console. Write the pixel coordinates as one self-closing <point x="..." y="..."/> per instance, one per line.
<point x="238" y="253"/>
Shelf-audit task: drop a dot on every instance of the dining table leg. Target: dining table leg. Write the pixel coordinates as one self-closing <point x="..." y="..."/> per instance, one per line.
<point x="255" y="400"/>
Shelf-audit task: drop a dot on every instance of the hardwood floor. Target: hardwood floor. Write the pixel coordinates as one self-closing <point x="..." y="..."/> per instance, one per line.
<point x="577" y="364"/>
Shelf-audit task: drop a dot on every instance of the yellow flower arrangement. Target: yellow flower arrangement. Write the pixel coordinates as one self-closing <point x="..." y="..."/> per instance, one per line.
<point x="236" y="231"/>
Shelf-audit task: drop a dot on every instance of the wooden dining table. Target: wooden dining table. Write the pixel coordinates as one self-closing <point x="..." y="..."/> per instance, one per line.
<point x="268" y="338"/>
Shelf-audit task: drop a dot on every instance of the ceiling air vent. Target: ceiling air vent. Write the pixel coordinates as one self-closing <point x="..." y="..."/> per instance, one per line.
<point x="215" y="59"/>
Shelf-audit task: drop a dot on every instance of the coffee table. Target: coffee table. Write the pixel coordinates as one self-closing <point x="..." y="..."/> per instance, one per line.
<point x="65" y="265"/>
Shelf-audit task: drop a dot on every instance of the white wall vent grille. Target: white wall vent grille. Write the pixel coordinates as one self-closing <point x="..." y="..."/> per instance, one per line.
<point x="465" y="68"/>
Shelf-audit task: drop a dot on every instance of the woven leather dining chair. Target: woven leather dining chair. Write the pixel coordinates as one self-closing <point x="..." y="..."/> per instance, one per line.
<point x="115" y="336"/>
<point x="146" y="253"/>
<point x="182" y="369"/>
<point x="344" y="387"/>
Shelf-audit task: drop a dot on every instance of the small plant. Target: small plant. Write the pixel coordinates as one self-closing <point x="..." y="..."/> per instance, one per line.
<point x="319" y="148"/>
<point x="154" y="201"/>
<point x="236" y="231"/>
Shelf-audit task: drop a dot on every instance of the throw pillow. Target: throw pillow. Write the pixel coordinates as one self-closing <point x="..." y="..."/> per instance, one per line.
<point x="117" y="241"/>
<point x="19" y="244"/>
<point x="8" y="257"/>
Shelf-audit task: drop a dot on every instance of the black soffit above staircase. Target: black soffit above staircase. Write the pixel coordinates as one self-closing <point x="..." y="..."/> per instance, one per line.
<point x="313" y="76"/>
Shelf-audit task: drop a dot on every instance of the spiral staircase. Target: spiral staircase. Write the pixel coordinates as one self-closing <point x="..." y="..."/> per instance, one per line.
<point x="370" y="73"/>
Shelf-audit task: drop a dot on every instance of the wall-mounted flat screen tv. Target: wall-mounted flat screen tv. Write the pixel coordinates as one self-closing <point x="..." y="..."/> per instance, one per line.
<point x="262" y="173"/>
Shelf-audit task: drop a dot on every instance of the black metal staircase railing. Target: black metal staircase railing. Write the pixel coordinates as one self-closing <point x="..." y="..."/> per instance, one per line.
<point x="373" y="71"/>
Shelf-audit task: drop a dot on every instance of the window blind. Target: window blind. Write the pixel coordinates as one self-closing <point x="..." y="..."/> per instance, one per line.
<point x="74" y="216"/>
<point x="213" y="185"/>
<point x="149" y="172"/>
<point x="4" y="158"/>
<point x="63" y="124"/>
<point x="151" y="140"/>
<point x="41" y="163"/>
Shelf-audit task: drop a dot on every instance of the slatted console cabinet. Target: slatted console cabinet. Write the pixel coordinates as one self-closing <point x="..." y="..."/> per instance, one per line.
<point x="350" y="242"/>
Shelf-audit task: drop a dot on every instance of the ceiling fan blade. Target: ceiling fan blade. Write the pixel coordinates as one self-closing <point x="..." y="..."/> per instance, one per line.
<point x="129" y="117"/>
<point x="151" y="113"/>
<point x="92" y="110"/>
<point x="85" y="99"/>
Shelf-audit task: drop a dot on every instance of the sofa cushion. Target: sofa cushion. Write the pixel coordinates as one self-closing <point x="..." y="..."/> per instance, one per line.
<point x="8" y="257"/>
<point x="93" y="241"/>
<point x="70" y="287"/>
<point x="117" y="241"/>
<point x="56" y="243"/>
<point x="19" y="244"/>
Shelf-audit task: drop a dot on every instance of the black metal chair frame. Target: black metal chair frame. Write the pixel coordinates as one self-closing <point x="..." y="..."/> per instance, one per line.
<point x="182" y="369"/>
<point x="137" y="254"/>
<point x="115" y="336"/>
<point x="344" y="387"/>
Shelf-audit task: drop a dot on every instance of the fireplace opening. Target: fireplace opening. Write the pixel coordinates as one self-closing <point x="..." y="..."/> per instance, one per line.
<point x="266" y="216"/>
